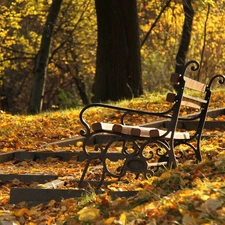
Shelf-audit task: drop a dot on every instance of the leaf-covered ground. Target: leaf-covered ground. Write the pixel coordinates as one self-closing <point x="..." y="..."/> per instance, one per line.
<point x="191" y="194"/>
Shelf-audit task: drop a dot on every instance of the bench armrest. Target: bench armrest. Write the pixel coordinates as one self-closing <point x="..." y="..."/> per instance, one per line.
<point x="125" y="112"/>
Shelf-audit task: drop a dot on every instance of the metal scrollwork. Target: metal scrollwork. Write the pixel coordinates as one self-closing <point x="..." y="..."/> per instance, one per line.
<point x="218" y="76"/>
<point x="194" y="67"/>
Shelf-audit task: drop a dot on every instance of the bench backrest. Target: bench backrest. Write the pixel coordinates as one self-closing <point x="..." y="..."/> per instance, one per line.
<point x="193" y="94"/>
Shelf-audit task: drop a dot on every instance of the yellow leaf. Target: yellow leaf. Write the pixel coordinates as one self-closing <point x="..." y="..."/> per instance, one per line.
<point x="204" y="197"/>
<point x="79" y="144"/>
<point x="165" y="176"/>
<point x="119" y="148"/>
<point x="109" y="221"/>
<point x="51" y="203"/>
<point x="88" y="214"/>
<point x="22" y="212"/>
<point x="122" y="219"/>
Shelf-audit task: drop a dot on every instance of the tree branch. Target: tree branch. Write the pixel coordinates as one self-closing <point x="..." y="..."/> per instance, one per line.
<point x="204" y="41"/>
<point x="155" y="22"/>
<point x="14" y="50"/>
<point x="16" y="58"/>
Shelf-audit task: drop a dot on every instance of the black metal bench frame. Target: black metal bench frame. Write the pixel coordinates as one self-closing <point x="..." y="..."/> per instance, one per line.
<point x="160" y="144"/>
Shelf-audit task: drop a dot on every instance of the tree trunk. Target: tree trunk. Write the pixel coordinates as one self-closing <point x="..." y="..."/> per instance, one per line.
<point x="40" y="72"/>
<point x="118" y="66"/>
<point x="186" y="36"/>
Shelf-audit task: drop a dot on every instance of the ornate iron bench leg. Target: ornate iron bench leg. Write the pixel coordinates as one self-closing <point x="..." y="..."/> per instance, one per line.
<point x="80" y="184"/>
<point x="172" y="159"/>
<point x="198" y="152"/>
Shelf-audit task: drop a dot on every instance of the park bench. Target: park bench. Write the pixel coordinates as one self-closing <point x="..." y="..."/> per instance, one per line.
<point x="139" y="148"/>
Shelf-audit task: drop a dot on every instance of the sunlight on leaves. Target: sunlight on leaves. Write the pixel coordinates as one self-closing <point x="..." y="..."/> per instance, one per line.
<point x="88" y="214"/>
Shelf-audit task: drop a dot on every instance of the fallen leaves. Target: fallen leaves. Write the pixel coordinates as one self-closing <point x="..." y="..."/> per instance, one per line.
<point x="21" y="212"/>
<point x="89" y="214"/>
<point x="191" y="194"/>
<point x="32" y="132"/>
<point x="192" y="205"/>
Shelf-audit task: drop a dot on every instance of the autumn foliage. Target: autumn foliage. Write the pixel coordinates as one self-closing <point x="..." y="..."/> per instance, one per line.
<point x="73" y="48"/>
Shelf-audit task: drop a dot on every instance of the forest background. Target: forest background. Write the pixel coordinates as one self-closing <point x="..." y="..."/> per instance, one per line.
<point x="72" y="56"/>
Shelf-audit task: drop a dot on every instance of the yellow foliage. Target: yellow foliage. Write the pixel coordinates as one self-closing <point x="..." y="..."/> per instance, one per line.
<point x="88" y="214"/>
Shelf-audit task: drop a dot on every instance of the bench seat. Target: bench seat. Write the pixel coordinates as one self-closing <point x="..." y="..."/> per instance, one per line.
<point x="138" y="131"/>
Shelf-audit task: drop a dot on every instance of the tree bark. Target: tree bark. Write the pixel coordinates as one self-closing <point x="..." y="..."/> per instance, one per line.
<point x="40" y="72"/>
<point x="186" y="36"/>
<point x="118" y="65"/>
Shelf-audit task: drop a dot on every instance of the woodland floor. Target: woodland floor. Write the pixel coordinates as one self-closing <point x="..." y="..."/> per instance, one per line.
<point x="191" y="194"/>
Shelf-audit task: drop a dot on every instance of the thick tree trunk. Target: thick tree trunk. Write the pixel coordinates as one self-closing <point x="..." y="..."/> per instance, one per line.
<point x="118" y="66"/>
<point x="40" y="73"/>
<point x="186" y="36"/>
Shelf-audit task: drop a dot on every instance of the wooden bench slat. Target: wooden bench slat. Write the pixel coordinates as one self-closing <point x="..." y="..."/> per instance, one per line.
<point x="191" y="104"/>
<point x="194" y="85"/>
<point x="154" y="132"/>
<point x="119" y="128"/>
<point x="145" y="132"/>
<point x="192" y="101"/>
<point x="189" y="82"/>
<point x="102" y="126"/>
<point x="138" y="131"/>
<point x="187" y="100"/>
